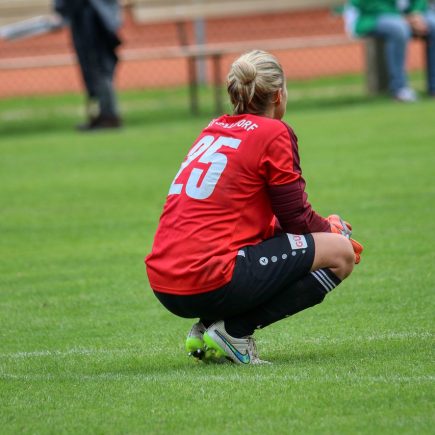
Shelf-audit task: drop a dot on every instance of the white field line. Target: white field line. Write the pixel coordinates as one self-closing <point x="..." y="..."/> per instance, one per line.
<point x="227" y="377"/>
<point x="388" y="336"/>
<point x="391" y="336"/>
<point x="77" y="351"/>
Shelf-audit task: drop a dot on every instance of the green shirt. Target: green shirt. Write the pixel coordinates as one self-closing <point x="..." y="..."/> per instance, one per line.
<point x="369" y="10"/>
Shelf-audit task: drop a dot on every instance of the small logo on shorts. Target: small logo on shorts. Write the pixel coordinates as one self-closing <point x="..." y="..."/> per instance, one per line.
<point x="263" y="261"/>
<point x="297" y="241"/>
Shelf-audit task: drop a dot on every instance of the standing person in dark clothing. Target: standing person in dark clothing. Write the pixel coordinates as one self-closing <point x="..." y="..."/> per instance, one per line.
<point x="94" y="26"/>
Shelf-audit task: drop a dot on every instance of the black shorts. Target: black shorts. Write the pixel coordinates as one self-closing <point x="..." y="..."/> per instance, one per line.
<point x="261" y="271"/>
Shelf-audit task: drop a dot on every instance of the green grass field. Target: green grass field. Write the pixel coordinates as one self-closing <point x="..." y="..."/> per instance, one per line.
<point x="86" y="348"/>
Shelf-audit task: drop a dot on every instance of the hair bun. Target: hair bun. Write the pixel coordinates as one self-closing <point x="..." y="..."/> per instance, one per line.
<point x="252" y="82"/>
<point x="245" y="72"/>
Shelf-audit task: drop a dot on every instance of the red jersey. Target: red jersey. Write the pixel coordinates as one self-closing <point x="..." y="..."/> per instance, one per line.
<point x="218" y="202"/>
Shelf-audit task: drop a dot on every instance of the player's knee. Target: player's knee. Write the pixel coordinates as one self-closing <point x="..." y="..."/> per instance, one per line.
<point x="335" y="252"/>
<point x="398" y="30"/>
<point x="345" y="259"/>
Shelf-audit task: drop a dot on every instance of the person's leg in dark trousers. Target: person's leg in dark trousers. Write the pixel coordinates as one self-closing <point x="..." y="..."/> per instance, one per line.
<point x="107" y="60"/>
<point x="83" y="39"/>
<point x="95" y="49"/>
<point x="430" y="52"/>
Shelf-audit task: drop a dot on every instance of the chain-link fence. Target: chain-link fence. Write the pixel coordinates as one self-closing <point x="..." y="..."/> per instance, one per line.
<point x="46" y="64"/>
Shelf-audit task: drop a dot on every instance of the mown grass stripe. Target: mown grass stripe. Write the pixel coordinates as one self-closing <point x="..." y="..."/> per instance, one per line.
<point x="230" y="377"/>
<point x="155" y="350"/>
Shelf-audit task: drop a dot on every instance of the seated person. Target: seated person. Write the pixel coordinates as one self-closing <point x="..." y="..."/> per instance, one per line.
<point x="396" y="21"/>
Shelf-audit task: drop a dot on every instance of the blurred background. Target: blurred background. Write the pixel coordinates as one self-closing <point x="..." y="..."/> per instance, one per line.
<point x="45" y="64"/>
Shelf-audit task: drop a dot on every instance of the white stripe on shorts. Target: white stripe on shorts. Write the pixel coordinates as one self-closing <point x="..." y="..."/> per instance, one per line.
<point x="325" y="275"/>
<point x="325" y="284"/>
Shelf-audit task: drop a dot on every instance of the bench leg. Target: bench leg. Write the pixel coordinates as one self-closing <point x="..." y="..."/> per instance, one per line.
<point x="193" y="84"/>
<point x="217" y="79"/>
<point x="376" y="68"/>
<point x="427" y="65"/>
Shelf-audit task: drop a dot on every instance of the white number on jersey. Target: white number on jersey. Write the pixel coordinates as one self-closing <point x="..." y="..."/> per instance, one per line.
<point x="207" y="151"/>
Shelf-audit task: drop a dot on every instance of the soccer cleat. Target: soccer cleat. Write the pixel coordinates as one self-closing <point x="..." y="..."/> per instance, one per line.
<point x="195" y="342"/>
<point x="220" y="346"/>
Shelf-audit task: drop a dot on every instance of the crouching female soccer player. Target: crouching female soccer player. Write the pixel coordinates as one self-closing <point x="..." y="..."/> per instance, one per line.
<point x="238" y="246"/>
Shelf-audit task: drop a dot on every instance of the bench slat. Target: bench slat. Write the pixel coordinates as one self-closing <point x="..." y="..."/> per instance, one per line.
<point x="190" y="51"/>
<point x="146" y="11"/>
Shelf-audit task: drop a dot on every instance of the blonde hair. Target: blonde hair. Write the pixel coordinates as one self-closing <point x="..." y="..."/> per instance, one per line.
<point x="253" y="81"/>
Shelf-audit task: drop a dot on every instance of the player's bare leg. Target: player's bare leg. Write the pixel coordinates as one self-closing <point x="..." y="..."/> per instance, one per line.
<point x="335" y="252"/>
<point x="334" y="260"/>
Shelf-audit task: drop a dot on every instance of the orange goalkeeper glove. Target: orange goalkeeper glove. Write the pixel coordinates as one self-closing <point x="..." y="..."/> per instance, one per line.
<point x="357" y="249"/>
<point x="339" y="226"/>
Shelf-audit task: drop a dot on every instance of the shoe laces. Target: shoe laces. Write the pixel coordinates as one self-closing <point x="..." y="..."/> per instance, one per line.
<point x="197" y="330"/>
<point x="252" y="347"/>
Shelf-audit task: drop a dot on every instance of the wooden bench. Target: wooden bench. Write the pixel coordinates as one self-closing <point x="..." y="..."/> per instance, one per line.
<point x="12" y="11"/>
<point x="184" y="11"/>
<point x="180" y="13"/>
<point x="149" y="11"/>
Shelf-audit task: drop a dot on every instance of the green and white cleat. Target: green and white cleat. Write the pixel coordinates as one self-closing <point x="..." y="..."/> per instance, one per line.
<point x="220" y="345"/>
<point x="195" y="342"/>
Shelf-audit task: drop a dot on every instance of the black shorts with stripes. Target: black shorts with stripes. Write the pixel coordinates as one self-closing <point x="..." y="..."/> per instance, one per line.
<point x="261" y="272"/>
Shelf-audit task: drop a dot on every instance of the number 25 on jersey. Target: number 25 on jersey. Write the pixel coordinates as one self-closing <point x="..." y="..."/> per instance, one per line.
<point x="205" y="151"/>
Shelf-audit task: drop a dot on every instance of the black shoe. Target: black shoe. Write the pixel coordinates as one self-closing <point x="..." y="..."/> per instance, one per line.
<point x="100" y="123"/>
